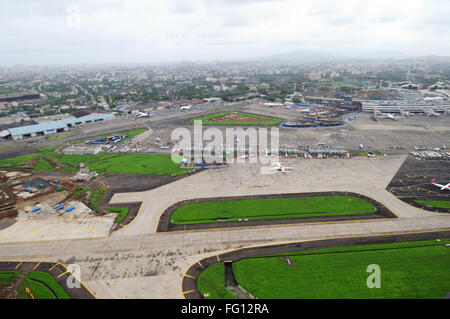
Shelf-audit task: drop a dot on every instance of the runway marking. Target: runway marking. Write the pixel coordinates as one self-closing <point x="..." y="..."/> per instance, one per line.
<point x="187" y="292"/>
<point x="63" y="274"/>
<point x="218" y="259"/>
<point x="19" y="264"/>
<point x="189" y="276"/>
<point x="27" y="290"/>
<point x="198" y="262"/>
<point x="34" y="232"/>
<point x="53" y="266"/>
<point x="36" y="265"/>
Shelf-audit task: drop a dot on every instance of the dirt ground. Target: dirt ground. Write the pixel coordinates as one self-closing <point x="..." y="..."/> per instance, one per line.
<point x="5" y="292"/>
<point x="120" y="183"/>
<point x="234" y="117"/>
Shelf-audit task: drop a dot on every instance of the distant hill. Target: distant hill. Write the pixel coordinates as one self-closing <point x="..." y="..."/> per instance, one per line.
<point x="297" y="57"/>
<point x="311" y="56"/>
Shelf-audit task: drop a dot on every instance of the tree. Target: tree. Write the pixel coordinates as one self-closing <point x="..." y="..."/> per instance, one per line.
<point x="296" y="99"/>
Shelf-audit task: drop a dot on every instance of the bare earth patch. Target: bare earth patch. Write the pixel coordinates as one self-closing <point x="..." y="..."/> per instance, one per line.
<point x="233" y="117"/>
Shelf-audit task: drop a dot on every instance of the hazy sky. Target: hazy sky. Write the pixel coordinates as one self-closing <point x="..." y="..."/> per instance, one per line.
<point x="93" y="31"/>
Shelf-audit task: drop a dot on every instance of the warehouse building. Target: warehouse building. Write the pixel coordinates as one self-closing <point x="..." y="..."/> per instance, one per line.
<point x="47" y="128"/>
<point x="20" y="97"/>
<point x="442" y="107"/>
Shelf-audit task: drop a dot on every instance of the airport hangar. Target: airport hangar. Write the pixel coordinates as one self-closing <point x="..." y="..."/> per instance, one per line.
<point x="47" y="128"/>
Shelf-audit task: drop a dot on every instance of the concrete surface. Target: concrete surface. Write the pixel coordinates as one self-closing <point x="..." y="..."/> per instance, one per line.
<point x="135" y="262"/>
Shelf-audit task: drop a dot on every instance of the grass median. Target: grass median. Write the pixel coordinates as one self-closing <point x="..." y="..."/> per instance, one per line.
<point x="274" y="208"/>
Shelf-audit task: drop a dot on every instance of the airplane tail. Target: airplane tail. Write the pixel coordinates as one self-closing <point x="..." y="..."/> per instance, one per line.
<point x="261" y="102"/>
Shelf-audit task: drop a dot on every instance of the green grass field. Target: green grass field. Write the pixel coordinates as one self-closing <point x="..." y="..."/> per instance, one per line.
<point x="38" y="284"/>
<point x="434" y="203"/>
<point x="23" y="159"/>
<point x="80" y="191"/>
<point x="265" y="120"/>
<point x="408" y="270"/>
<point x="314" y="206"/>
<point x="102" y="163"/>
<point x="6" y="277"/>
<point x="212" y="283"/>
<point x="122" y="211"/>
<point x="43" y="165"/>
<point x="96" y="196"/>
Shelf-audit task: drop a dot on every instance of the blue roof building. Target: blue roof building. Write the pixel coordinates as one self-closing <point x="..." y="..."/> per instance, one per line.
<point x="41" y="129"/>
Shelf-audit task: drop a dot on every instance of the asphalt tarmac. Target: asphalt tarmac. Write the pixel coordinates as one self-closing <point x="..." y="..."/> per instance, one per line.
<point x="413" y="182"/>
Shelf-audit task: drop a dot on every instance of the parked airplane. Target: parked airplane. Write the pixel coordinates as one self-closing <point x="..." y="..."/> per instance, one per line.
<point x="122" y="108"/>
<point x="282" y="168"/>
<point x="271" y="104"/>
<point x="443" y="187"/>
<point x="405" y="113"/>
<point x="430" y="112"/>
<point x="143" y="114"/>
<point x="185" y="107"/>
<point x="388" y="116"/>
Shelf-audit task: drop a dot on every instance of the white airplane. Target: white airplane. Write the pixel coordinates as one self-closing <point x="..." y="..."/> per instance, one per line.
<point x="430" y="112"/>
<point x="271" y="104"/>
<point x="405" y="113"/>
<point x="143" y="114"/>
<point x="389" y="116"/>
<point x="443" y="187"/>
<point x="185" y="107"/>
<point x="282" y="168"/>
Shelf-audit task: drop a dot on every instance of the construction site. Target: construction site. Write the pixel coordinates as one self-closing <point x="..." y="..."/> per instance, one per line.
<point x="315" y="116"/>
<point x="29" y="195"/>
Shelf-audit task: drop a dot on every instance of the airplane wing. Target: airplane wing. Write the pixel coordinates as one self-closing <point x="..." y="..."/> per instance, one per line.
<point x="443" y="187"/>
